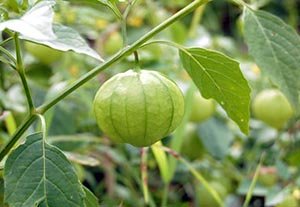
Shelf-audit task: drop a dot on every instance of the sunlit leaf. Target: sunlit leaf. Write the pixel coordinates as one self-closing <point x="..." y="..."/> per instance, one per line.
<point x="35" y="24"/>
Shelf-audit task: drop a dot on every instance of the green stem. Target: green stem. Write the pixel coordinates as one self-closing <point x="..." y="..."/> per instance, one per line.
<point x="117" y="57"/>
<point x="43" y="124"/>
<point x="241" y="3"/>
<point x="136" y="61"/>
<point x="7" y="53"/>
<point x="253" y="183"/>
<point x="21" y="71"/>
<point x="196" y="174"/>
<point x="164" y="200"/>
<point x="6" y="41"/>
<point x="7" y="62"/>
<point x="2" y="78"/>
<point x="124" y="22"/>
<point x="124" y="32"/>
<point x="23" y="127"/>
<point x="144" y="174"/>
<point x="195" y="21"/>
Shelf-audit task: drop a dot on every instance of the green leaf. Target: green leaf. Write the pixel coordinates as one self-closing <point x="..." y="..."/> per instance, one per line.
<point x="162" y="161"/>
<point x="82" y="159"/>
<point x="1" y="192"/>
<point x="219" y="77"/>
<point x="111" y="4"/>
<point x="275" y="47"/>
<point x="216" y="137"/>
<point x="90" y="200"/>
<point x="36" y="26"/>
<point x="37" y="173"/>
<point x="67" y="39"/>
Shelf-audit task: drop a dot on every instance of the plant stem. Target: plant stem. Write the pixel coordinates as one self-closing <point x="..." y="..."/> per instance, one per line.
<point x="253" y="183"/>
<point x="241" y="3"/>
<point x="23" y="127"/>
<point x="117" y="57"/>
<point x="21" y="71"/>
<point x="136" y="61"/>
<point x="195" y="173"/>
<point x="7" y="53"/>
<point x="124" y="22"/>
<point x="144" y="174"/>
<point x="43" y="125"/>
<point x="2" y="78"/>
<point x="6" y="41"/>
<point x="196" y="20"/>
<point x="164" y="200"/>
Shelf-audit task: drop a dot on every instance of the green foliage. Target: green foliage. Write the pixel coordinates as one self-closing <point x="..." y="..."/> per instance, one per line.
<point x="91" y="200"/>
<point x="219" y="77"/>
<point x="205" y="198"/>
<point x="223" y="150"/>
<point x="275" y="47"/>
<point x="36" y="26"/>
<point x="216" y="137"/>
<point x="37" y="173"/>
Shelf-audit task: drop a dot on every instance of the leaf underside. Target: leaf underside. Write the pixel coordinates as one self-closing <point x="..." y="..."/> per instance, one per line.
<point x="36" y="25"/>
<point x="275" y="47"/>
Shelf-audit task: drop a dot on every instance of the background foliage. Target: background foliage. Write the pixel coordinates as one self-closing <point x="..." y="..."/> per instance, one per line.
<point x="230" y="146"/>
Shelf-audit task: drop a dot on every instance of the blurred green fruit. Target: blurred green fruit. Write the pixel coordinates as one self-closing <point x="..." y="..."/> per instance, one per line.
<point x="289" y="201"/>
<point x="192" y="146"/>
<point x="43" y="53"/>
<point x="272" y="107"/>
<point x="268" y="176"/>
<point x="205" y="197"/>
<point x="202" y="108"/>
<point x="178" y="32"/>
<point x="138" y="108"/>
<point x="113" y="43"/>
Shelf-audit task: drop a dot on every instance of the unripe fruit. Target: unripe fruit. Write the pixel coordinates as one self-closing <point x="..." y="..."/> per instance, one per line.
<point x="202" y="108"/>
<point x="43" y="53"/>
<point x="268" y="176"/>
<point x="138" y="108"/>
<point x="113" y="43"/>
<point x="289" y="201"/>
<point x="272" y="107"/>
<point x="192" y="146"/>
<point x="205" y="197"/>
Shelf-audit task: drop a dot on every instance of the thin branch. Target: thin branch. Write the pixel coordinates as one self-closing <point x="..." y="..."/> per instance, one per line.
<point x="195" y="173"/>
<point x="144" y="174"/>
<point x="6" y="41"/>
<point x="7" y="53"/>
<point x="21" y="71"/>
